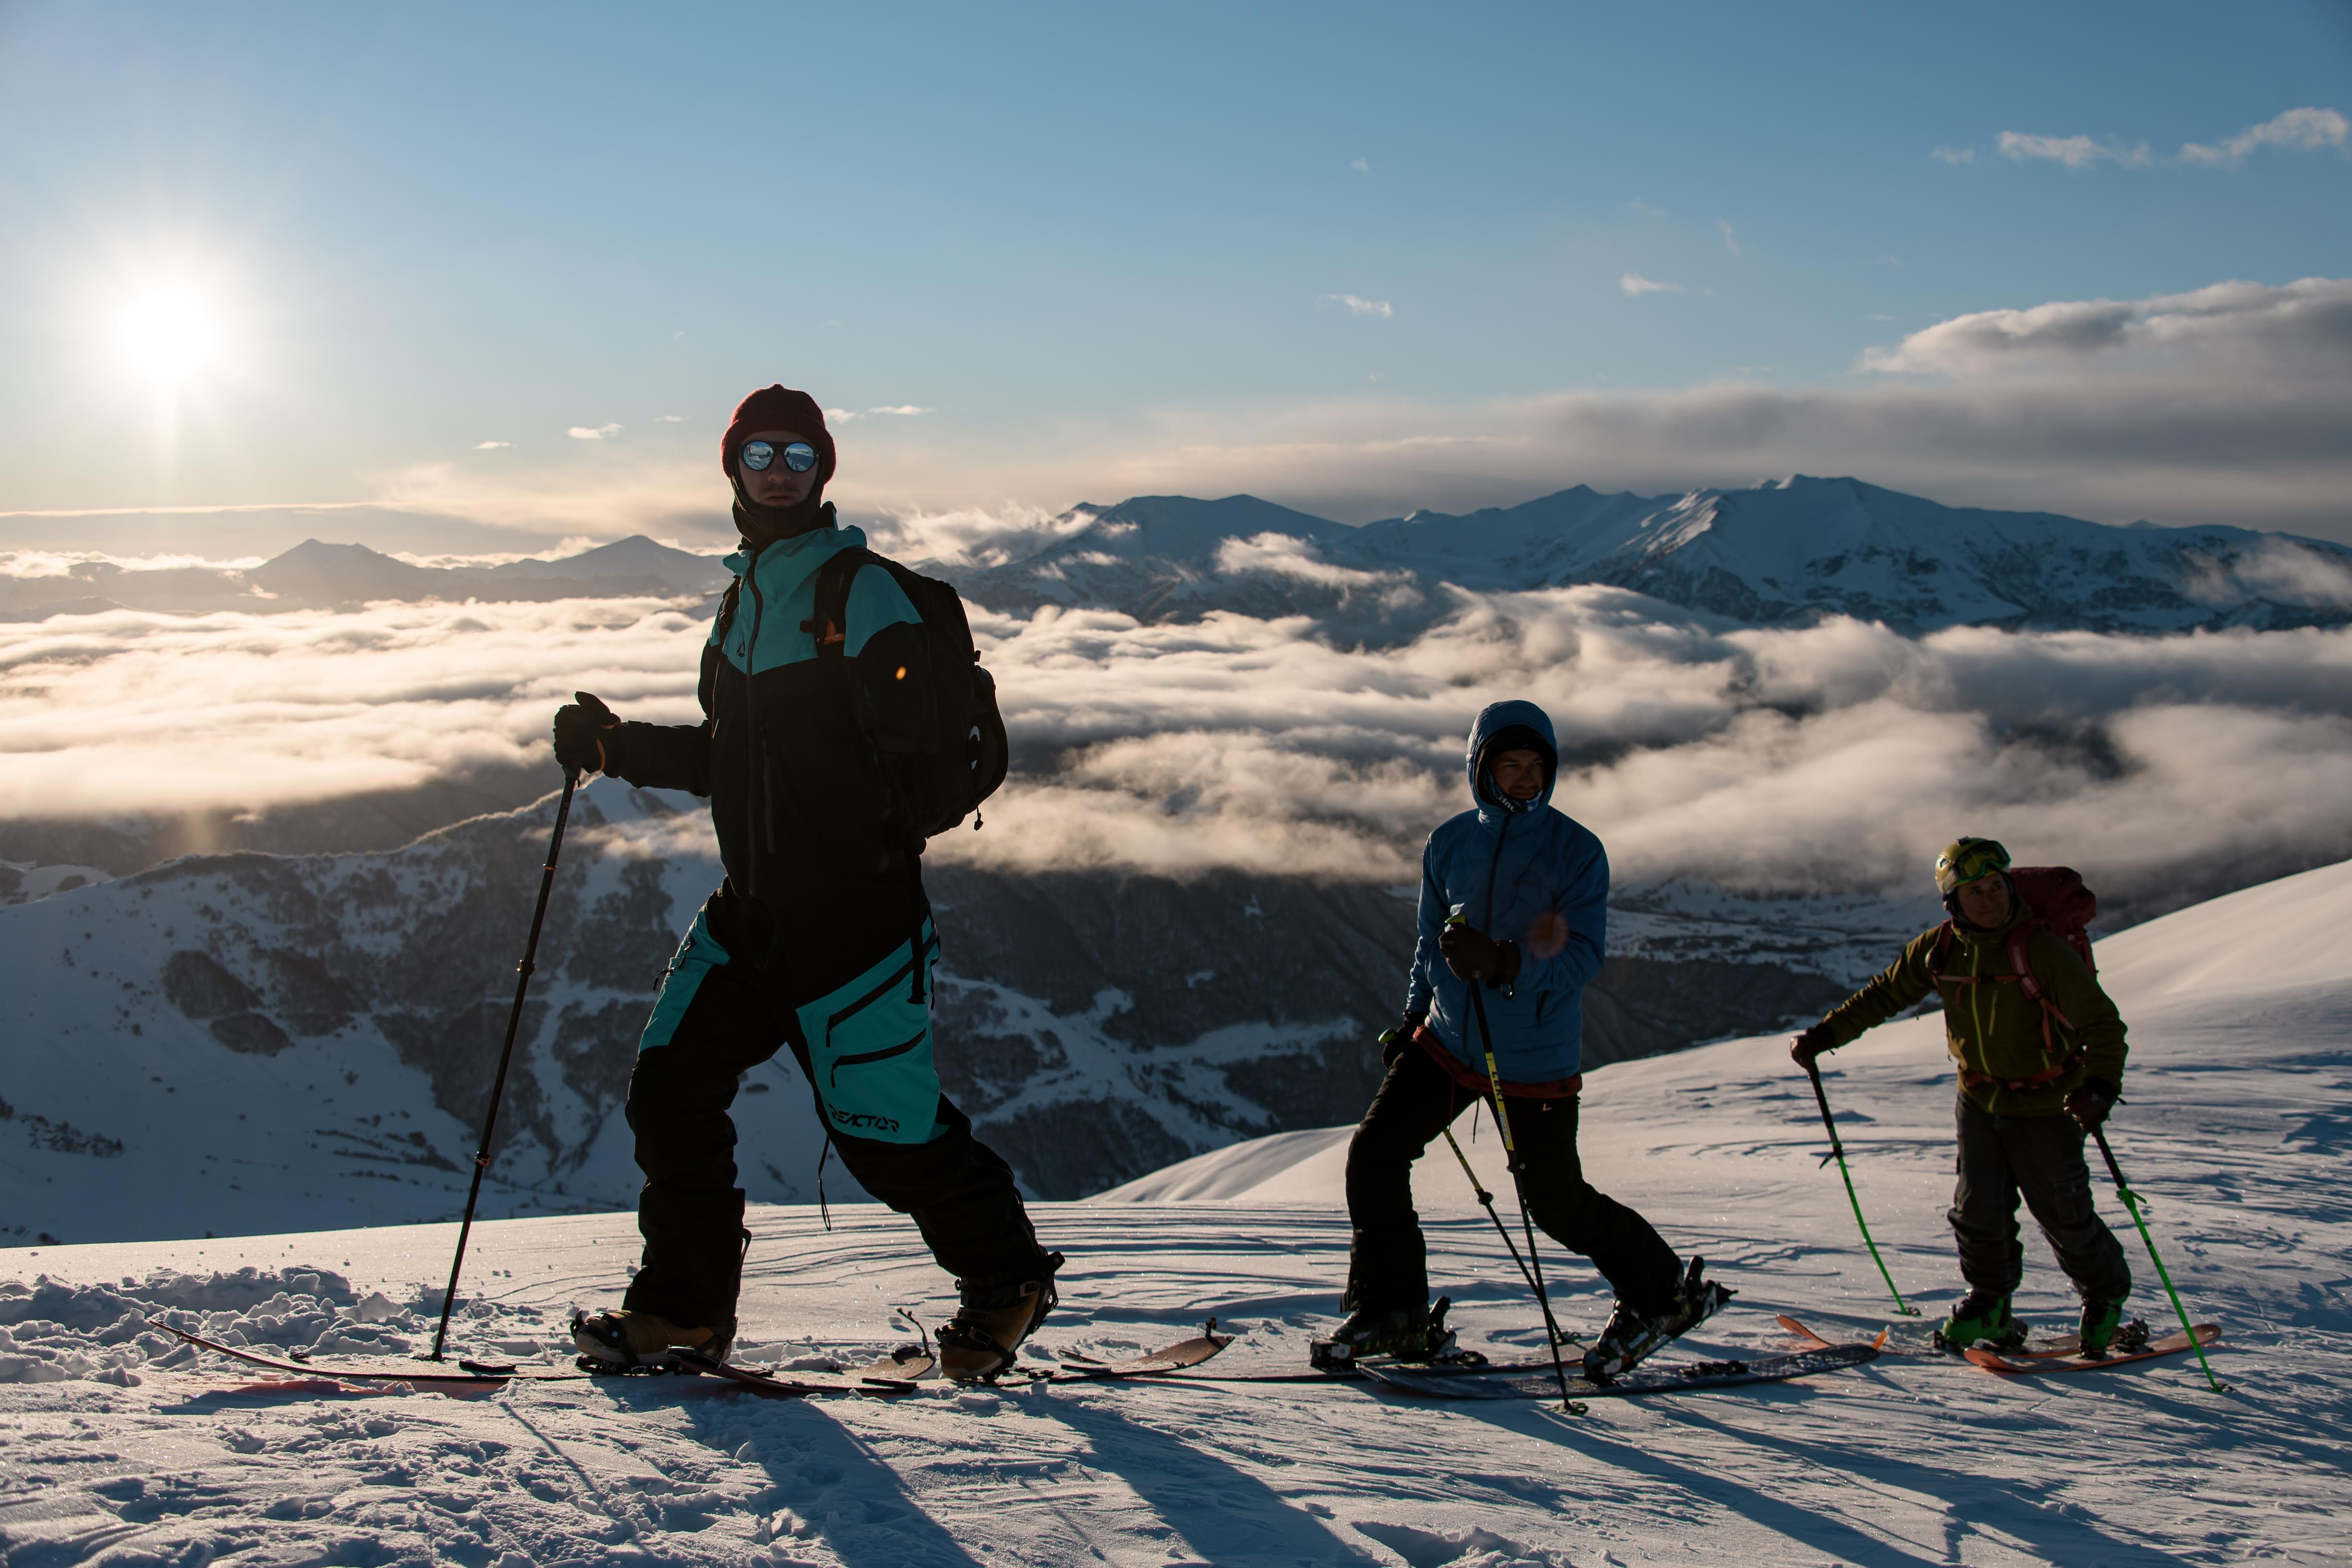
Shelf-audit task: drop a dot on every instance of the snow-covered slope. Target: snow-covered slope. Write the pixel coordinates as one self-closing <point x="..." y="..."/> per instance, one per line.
<point x="115" y="1447"/>
<point x="1778" y="552"/>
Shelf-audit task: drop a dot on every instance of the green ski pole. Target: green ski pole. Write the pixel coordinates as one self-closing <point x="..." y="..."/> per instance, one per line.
<point x="1837" y="1153"/>
<point x="2132" y="1201"/>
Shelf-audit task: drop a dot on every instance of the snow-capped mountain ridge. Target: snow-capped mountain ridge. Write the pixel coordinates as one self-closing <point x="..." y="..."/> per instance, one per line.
<point x="1782" y="551"/>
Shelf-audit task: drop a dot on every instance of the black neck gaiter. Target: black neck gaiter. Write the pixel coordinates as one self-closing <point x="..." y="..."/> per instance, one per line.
<point x="766" y="525"/>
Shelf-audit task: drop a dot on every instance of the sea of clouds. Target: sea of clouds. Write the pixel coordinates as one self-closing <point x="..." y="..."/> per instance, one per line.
<point x="1836" y="757"/>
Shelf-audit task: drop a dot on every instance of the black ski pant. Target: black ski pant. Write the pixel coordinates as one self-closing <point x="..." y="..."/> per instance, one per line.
<point x="743" y="985"/>
<point x="2040" y="1158"/>
<point x="1387" y="1265"/>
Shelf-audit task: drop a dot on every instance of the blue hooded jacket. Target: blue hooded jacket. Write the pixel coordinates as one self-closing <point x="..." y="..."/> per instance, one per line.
<point x="1509" y="863"/>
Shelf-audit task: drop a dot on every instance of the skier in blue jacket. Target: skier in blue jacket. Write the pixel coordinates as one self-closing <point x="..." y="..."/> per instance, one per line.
<point x="1514" y="902"/>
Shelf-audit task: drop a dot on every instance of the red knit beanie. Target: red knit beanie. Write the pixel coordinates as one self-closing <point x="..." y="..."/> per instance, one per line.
<point x="778" y="408"/>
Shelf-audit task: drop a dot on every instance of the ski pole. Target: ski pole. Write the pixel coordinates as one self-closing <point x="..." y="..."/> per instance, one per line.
<point x="1837" y="1153"/>
<point x="2132" y="1201"/>
<point x="506" y="1055"/>
<point x="1487" y="1199"/>
<point x="1519" y="1180"/>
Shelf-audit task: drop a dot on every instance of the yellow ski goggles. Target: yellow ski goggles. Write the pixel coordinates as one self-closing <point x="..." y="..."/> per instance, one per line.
<point x="1966" y="860"/>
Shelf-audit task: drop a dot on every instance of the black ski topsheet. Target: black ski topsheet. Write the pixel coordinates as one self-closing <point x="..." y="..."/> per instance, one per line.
<point x="424" y="1373"/>
<point x="475" y="1375"/>
<point x="1500" y="1383"/>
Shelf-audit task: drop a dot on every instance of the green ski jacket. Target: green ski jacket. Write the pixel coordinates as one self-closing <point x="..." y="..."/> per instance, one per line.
<point x="1992" y="1028"/>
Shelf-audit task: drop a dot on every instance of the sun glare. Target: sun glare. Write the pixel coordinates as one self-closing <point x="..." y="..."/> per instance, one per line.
<point x="171" y="335"/>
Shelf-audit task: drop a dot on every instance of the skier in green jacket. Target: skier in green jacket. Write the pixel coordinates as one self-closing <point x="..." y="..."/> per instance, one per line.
<point x="2036" y="1075"/>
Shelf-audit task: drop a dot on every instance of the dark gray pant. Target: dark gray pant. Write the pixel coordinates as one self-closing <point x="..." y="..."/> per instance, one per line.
<point x="1387" y="1266"/>
<point x="2039" y="1157"/>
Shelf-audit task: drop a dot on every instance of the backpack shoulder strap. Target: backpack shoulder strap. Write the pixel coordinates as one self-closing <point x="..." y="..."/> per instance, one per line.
<point x="728" y="604"/>
<point x="2019" y="943"/>
<point x="1940" y="952"/>
<point x="829" y="622"/>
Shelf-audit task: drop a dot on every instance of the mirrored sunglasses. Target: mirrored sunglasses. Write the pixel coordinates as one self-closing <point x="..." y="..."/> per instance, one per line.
<point x="798" y="455"/>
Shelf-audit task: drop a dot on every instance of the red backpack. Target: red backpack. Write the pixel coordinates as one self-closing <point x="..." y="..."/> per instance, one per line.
<point x="2056" y="900"/>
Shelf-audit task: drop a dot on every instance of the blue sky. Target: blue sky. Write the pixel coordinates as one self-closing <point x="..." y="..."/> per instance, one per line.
<point x="1109" y="249"/>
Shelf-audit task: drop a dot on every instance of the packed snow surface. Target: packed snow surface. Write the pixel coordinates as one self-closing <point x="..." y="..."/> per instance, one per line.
<point x="118" y="1447"/>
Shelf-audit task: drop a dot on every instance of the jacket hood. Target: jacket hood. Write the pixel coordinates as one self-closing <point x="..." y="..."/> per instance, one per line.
<point x="1492" y="720"/>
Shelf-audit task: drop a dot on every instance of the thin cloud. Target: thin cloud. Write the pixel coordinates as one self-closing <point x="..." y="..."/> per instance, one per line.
<point x="1731" y="242"/>
<point x="596" y="433"/>
<point x="2297" y="131"/>
<point x="1636" y="285"/>
<point x="1359" y="306"/>
<point x="903" y="409"/>
<point x="668" y="419"/>
<point x="2073" y="152"/>
<point x="490" y="445"/>
<point x="1835" y="756"/>
<point x="1361" y="166"/>
<point x="840" y="416"/>
<point x="2314" y="315"/>
<point x="1953" y="154"/>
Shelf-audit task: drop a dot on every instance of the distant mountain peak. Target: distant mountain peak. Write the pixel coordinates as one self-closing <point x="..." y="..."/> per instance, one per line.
<point x="1786" y="549"/>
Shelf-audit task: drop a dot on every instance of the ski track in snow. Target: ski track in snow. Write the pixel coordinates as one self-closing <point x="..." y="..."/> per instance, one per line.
<point x="117" y="1447"/>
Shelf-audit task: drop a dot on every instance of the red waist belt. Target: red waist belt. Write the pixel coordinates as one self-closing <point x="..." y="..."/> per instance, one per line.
<point x="1475" y="1082"/>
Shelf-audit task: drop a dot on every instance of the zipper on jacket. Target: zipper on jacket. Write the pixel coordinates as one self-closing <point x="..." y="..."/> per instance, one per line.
<point x="756" y="746"/>
<point x="1495" y="870"/>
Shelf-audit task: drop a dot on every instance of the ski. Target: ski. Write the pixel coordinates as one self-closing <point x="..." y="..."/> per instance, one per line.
<point x="2013" y="1366"/>
<point x="897" y="1382"/>
<point x="470" y="1375"/>
<point x="1684" y="1377"/>
<point x="1171" y="1358"/>
<point x="1927" y="1350"/>
<point x="488" y="1375"/>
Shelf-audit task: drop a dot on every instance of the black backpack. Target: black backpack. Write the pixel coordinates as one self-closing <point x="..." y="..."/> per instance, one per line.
<point x="964" y="759"/>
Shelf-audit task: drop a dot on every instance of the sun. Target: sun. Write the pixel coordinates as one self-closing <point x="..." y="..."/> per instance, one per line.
<point x="169" y="334"/>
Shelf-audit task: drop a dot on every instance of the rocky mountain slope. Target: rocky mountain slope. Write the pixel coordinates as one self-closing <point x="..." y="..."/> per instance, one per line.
<point x="235" y="1042"/>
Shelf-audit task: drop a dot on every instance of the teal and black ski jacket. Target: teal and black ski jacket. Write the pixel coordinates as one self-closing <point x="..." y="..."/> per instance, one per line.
<point x="786" y="750"/>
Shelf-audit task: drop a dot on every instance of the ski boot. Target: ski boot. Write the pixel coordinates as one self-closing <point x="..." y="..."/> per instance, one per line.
<point x="988" y="1330"/>
<point x="1629" y="1339"/>
<point x="1982" y="1319"/>
<point x="1400" y="1333"/>
<point x="625" y="1340"/>
<point x="2104" y="1333"/>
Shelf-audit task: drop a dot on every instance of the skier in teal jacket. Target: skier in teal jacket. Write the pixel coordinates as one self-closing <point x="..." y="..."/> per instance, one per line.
<point x="819" y="939"/>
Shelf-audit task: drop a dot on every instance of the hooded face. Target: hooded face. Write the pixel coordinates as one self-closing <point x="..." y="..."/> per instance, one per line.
<point x="1520" y="775"/>
<point x="1501" y="731"/>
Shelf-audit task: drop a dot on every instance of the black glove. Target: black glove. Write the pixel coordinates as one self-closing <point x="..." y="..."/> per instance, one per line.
<point x="1810" y="1045"/>
<point x="2090" y="1103"/>
<point x="579" y="727"/>
<point x="1394" y="1042"/>
<point x="1473" y="955"/>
